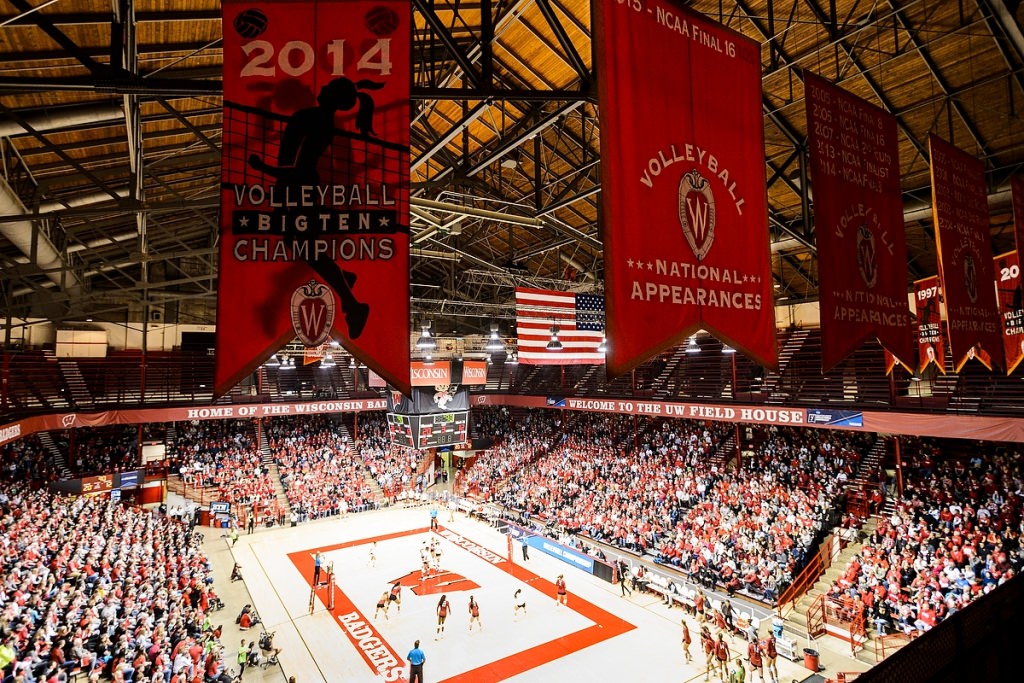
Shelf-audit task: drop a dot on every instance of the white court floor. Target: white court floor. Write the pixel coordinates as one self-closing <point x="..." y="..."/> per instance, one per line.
<point x="599" y="636"/>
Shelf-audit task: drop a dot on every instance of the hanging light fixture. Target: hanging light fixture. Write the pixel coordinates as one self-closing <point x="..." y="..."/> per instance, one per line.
<point x="428" y="359"/>
<point x="273" y="361"/>
<point x="288" y="363"/>
<point x="426" y="342"/>
<point x="727" y="349"/>
<point x="513" y="360"/>
<point x="328" y="360"/>
<point x="692" y="346"/>
<point x="494" y="343"/>
<point x="554" y="344"/>
<point x="603" y="346"/>
<point x="352" y="363"/>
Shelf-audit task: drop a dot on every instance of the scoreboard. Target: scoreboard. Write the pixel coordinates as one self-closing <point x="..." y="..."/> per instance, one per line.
<point x="429" y="431"/>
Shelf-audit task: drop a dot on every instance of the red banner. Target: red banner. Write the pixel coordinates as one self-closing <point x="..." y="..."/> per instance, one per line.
<point x="431" y="374"/>
<point x="315" y="180"/>
<point x="931" y="347"/>
<point x="892" y="361"/>
<point x="474" y="372"/>
<point x="858" y="219"/>
<point x="1017" y="193"/>
<point x="1010" y="292"/>
<point x="682" y="165"/>
<point x="962" y="236"/>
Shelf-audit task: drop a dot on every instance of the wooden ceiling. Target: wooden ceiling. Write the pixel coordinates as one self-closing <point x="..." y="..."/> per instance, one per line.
<point x="110" y="130"/>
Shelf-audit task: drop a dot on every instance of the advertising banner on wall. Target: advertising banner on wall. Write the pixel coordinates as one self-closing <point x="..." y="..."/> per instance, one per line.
<point x="314" y="240"/>
<point x="962" y="236"/>
<point x="858" y="219"/>
<point x="683" y="183"/>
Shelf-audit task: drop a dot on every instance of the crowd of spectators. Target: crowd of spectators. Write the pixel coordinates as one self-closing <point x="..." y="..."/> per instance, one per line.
<point x="953" y="536"/>
<point x="655" y="486"/>
<point x="110" y="591"/>
<point x="103" y="449"/>
<point x="319" y="471"/>
<point x="752" y="529"/>
<point x="224" y="455"/>
<point x="394" y="468"/>
<point x="26" y="459"/>
<point x="519" y="439"/>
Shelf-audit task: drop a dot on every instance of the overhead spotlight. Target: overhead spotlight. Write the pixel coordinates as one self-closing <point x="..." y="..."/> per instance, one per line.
<point x="554" y="344"/>
<point x="335" y="343"/>
<point x="428" y="359"/>
<point x="494" y="343"/>
<point x="426" y="342"/>
<point x="288" y="363"/>
<point x="727" y="349"/>
<point x="513" y="360"/>
<point x="692" y="346"/>
<point x="603" y="346"/>
<point x="352" y="363"/>
<point x="915" y="378"/>
<point x="328" y="360"/>
<point x="273" y="361"/>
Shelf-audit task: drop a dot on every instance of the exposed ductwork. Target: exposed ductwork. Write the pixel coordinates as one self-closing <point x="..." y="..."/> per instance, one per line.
<point x="20" y="234"/>
<point x="60" y="118"/>
<point x="913" y="210"/>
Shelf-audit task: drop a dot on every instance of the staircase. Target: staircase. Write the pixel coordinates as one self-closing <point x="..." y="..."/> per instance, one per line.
<point x="872" y="459"/>
<point x="725" y="454"/>
<point x="794" y="342"/>
<point x="664" y="390"/>
<point x="72" y="374"/>
<point x="60" y="463"/>
<point x="267" y="459"/>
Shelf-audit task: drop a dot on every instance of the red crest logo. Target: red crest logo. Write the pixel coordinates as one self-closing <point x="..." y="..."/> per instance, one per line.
<point x="971" y="278"/>
<point x="312" y="309"/>
<point x="697" y="213"/>
<point x="396" y="398"/>
<point x="866" y="256"/>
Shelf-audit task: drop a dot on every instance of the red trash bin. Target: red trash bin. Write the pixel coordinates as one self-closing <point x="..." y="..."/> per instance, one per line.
<point x="811" y="658"/>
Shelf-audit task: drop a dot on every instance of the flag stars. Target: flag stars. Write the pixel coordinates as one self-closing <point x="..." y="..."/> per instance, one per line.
<point x="650" y="266"/>
<point x="630" y="262"/>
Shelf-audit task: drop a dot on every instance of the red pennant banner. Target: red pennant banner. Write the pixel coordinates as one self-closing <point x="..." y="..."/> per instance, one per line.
<point x="315" y="181"/>
<point x="931" y="347"/>
<point x="1017" y="193"/>
<point x="682" y="162"/>
<point x="892" y="361"/>
<point x="858" y="218"/>
<point x="960" y="212"/>
<point x="1010" y="292"/>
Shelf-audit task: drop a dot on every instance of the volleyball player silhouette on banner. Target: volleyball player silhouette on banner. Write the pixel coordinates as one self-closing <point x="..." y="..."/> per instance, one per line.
<point x="307" y="135"/>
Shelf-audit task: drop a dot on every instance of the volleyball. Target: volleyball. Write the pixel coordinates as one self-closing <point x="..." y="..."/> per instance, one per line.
<point x="381" y="21"/>
<point x="250" y="23"/>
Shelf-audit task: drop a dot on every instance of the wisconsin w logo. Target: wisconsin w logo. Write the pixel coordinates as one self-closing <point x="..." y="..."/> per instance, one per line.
<point x="312" y="312"/>
<point x="697" y="213"/>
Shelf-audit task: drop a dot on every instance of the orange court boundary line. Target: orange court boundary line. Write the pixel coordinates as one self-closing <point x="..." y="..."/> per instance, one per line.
<point x="606" y="625"/>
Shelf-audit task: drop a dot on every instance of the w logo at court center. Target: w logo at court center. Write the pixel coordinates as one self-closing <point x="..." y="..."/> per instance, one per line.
<point x="312" y="313"/>
<point x="697" y="213"/>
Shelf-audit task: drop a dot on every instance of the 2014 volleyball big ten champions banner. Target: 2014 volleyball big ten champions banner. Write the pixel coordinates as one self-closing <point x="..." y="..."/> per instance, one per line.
<point x="858" y="218"/>
<point x="931" y="347"/>
<point x="683" y="177"/>
<point x="1010" y="293"/>
<point x="960" y="211"/>
<point x="315" y="182"/>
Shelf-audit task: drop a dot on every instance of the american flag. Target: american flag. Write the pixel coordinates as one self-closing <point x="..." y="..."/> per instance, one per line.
<point x="580" y="321"/>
